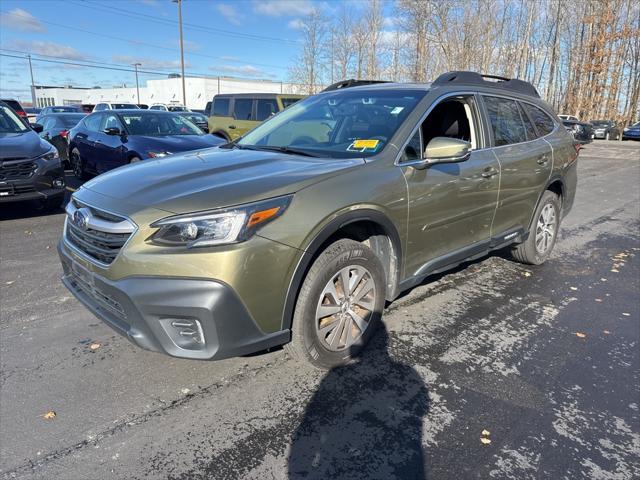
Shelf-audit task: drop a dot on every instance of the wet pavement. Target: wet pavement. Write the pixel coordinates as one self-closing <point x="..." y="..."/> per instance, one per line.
<point x="495" y="370"/>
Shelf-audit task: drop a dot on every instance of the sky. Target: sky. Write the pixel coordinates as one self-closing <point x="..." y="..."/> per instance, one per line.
<point x="242" y="38"/>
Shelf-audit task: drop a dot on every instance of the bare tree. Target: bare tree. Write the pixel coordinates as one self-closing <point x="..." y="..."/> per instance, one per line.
<point x="310" y="67"/>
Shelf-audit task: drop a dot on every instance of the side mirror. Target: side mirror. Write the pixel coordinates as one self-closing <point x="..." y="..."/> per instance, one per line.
<point x="112" y="131"/>
<point x="446" y="150"/>
<point x="36" y="127"/>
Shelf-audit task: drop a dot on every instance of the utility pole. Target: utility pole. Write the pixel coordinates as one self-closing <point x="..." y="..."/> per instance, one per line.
<point x="136" y="65"/>
<point x="184" y="90"/>
<point x="33" y="88"/>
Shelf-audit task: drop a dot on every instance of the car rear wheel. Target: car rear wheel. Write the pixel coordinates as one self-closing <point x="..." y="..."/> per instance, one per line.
<point x="339" y="305"/>
<point x="77" y="165"/>
<point x="134" y="159"/>
<point x="544" y="232"/>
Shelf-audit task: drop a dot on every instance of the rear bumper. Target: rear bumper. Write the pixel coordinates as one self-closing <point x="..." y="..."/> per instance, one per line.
<point x="147" y="309"/>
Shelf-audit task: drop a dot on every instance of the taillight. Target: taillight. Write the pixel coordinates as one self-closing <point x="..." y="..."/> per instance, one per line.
<point x="64" y="133"/>
<point x="21" y="113"/>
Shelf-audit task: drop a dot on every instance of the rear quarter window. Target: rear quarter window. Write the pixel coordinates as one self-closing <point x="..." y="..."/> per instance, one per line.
<point x="543" y="122"/>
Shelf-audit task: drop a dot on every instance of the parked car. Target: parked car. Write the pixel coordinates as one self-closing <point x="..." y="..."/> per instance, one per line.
<point x="30" y="167"/>
<point x="606" y="129"/>
<point x="573" y="118"/>
<point x="233" y="115"/>
<point x="55" y="130"/>
<point x="581" y="131"/>
<point x="632" y="132"/>
<point x="16" y="107"/>
<point x="114" y="106"/>
<point x="103" y="141"/>
<point x="56" y="109"/>
<point x="199" y="119"/>
<point x="207" y="109"/>
<point x="168" y="108"/>
<point x="32" y="113"/>
<point x="84" y="107"/>
<point x="301" y="230"/>
<point x="143" y="106"/>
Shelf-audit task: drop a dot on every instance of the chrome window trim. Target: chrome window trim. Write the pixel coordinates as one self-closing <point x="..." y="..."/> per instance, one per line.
<point x="479" y="131"/>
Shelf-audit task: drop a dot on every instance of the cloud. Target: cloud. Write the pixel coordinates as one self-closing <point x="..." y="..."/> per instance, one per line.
<point x="229" y="12"/>
<point x="49" y="49"/>
<point x="246" y="70"/>
<point x="149" y="63"/>
<point x="19" y="19"/>
<point x="296" y="24"/>
<point x="280" y="8"/>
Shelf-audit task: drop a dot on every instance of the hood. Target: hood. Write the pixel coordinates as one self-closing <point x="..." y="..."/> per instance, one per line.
<point x="22" y="145"/>
<point x="175" y="143"/>
<point x="214" y="178"/>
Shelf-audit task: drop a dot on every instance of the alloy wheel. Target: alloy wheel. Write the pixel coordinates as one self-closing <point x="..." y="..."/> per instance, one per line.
<point x="345" y="307"/>
<point x="546" y="229"/>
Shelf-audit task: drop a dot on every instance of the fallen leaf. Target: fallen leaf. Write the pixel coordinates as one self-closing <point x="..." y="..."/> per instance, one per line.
<point x="485" y="441"/>
<point x="527" y="274"/>
<point x="599" y="300"/>
<point x="606" y="332"/>
<point x="580" y="335"/>
<point x="603" y="279"/>
<point x="573" y="288"/>
<point x="50" y="415"/>
<point x="185" y="391"/>
<point x="615" y="270"/>
<point x="9" y="283"/>
<point x="486" y="433"/>
<point x="626" y="314"/>
<point x="94" y="346"/>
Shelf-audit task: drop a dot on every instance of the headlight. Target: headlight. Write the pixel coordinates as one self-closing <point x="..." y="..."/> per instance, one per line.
<point x="158" y="154"/>
<point x="218" y="227"/>
<point x="51" y="154"/>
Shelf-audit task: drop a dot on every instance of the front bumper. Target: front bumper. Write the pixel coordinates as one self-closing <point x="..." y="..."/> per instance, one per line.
<point x="46" y="182"/>
<point x="146" y="309"/>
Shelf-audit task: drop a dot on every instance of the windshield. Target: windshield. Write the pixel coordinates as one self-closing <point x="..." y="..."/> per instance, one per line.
<point x="158" y="123"/>
<point x="194" y="117"/>
<point x="10" y="122"/>
<point x="123" y="106"/>
<point x="340" y="124"/>
<point x="71" y="119"/>
<point x="62" y="109"/>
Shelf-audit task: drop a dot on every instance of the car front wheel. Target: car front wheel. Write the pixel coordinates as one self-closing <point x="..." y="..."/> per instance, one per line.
<point x="77" y="165"/>
<point x="339" y="305"/>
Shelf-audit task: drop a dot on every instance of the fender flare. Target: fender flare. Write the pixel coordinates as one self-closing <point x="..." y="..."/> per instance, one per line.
<point x="552" y="179"/>
<point x="312" y="249"/>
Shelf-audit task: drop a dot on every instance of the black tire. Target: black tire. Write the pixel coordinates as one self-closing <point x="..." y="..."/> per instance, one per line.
<point x="77" y="165"/>
<point x="527" y="252"/>
<point x="306" y="343"/>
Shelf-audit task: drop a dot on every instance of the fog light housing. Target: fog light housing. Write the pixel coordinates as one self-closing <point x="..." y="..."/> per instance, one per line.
<point x="58" y="183"/>
<point x="185" y="333"/>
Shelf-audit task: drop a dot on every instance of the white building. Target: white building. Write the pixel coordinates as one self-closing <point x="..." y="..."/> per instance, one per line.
<point x="199" y="91"/>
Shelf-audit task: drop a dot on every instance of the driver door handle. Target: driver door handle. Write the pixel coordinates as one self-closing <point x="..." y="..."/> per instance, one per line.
<point x="489" y="172"/>
<point x="543" y="159"/>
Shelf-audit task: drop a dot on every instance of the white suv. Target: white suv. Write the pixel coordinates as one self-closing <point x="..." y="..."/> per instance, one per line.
<point x="113" y="106"/>
<point x="169" y="108"/>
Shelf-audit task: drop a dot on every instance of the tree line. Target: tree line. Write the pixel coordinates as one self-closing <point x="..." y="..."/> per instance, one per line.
<point x="583" y="56"/>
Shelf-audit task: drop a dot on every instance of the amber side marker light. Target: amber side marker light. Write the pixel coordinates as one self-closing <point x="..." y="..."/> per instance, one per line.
<point x="261" y="216"/>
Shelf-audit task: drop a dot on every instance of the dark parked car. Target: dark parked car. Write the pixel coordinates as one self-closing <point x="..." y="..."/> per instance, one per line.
<point x="106" y="140"/>
<point x="632" y="132"/>
<point x="143" y="106"/>
<point x="30" y="167"/>
<point x="199" y="119"/>
<point x="55" y="130"/>
<point x="32" y="113"/>
<point x="56" y="109"/>
<point x="581" y="131"/>
<point x="15" y="105"/>
<point x="606" y="129"/>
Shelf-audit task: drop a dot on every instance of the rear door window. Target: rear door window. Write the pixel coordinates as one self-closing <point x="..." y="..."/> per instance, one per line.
<point x="242" y="108"/>
<point x="543" y="122"/>
<point x="505" y="120"/>
<point x="221" y="107"/>
<point x="265" y="108"/>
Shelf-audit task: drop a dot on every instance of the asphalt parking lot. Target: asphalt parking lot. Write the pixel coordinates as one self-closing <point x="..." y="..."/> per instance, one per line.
<point x="495" y="370"/>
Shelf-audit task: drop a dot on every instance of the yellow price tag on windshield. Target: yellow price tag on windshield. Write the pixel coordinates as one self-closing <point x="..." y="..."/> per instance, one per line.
<point x="365" y="144"/>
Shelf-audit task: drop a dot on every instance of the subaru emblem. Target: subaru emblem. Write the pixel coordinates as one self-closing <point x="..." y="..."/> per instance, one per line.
<point x="81" y="218"/>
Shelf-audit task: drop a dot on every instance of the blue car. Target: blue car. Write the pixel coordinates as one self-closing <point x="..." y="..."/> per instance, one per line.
<point x="109" y="139"/>
<point x="632" y="132"/>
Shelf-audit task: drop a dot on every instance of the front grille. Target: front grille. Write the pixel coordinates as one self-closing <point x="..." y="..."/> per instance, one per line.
<point x="103" y="300"/>
<point x="17" y="171"/>
<point x="101" y="237"/>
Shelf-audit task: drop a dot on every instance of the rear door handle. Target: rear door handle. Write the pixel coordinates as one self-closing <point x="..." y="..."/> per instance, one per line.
<point x="489" y="172"/>
<point x="543" y="160"/>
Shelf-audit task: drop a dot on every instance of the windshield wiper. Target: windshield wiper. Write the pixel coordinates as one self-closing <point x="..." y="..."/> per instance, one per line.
<point x="289" y="150"/>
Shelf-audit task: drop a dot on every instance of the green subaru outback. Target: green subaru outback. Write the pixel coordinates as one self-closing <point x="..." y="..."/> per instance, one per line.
<point x="299" y="232"/>
<point x="233" y="115"/>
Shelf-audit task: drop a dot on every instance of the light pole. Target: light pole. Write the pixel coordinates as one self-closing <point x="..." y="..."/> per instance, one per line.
<point x="184" y="90"/>
<point x="33" y="88"/>
<point x="136" y="65"/>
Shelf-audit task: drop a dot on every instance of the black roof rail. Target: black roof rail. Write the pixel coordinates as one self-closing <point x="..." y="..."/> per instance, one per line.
<point x="352" y="82"/>
<point x="475" y="78"/>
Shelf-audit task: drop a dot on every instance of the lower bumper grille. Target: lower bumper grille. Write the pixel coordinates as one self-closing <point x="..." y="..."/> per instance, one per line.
<point x="103" y="300"/>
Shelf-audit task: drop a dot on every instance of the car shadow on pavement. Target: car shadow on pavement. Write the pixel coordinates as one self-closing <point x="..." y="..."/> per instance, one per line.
<point x="364" y="421"/>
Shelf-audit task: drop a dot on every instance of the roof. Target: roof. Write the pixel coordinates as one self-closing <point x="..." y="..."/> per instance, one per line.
<point x="258" y="95"/>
